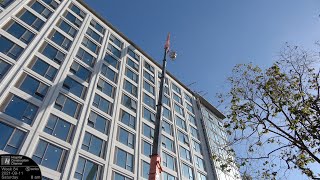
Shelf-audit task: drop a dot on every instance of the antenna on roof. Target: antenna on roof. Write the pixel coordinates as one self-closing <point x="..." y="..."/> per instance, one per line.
<point x="191" y="84"/>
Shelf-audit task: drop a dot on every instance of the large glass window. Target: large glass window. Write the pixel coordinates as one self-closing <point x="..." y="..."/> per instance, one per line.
<point x="44" y="69"/>
<point x="146" y="148"/>
<point x="21" y="109"/>
<point x="201" y="176"/>
<point x="78" y="11"/>
<point x="148" y="66"/>
<point x="187" y="172"/>
<point x="177" y="98"/>
<point x="32" y="20"/>
<point x="128" y="119"/>
<point x="196" y="147"/>
<point x="11" y="138"/>
<point x="145" y="170"/>
<point x="129" y="103"/>
<point x="132" y="64"/>
<point x="9" y="48"/>
<point x="61" y="40"/>
<point x="133" y="55"/>
<point x="116" y="41"/>
<point x="130" y="88"/>
<point x="33" y="87"/>
<point x="148" y="87"/>
<point x="199" y="163"/>
<point x="133" y="76"/>
<point x="166" y="113"/>
<point x="87" y="170"/>
<point x="176" y="88"/>
<point x="118" y="176"/>
<point x="49" y="155"/>
<point x="112" y="61"/>
<point x="126" y="137"/>
<point x="149" y="101"/>
<point x="80" y="71"/>
<point x="148" y="76"/>
<point x="74" y="87"/>
<point x="53" y="54"/>
<point x="192" y="119"/>
<point x="20" y="32"/>
<point x="59" y="128"/>
<point x="102" y="104"/>
<point x="97" y="26"/>
<point x="5" y="3"/>
<point x="166" y="176"/>
<point x="185" y="154"/>
<point x="148" y="115"/>
<point x="167" y="127"/>
<point x="90" y="45"/>
<point x="86" y="57"/>
<point x="109" y="73"/>
<point x="148" y="131"/>
<point x="166" y="100"/>
<point x="178" y="109"/>
<point x="52" y="3"/>
<point x="188" y="98"/>
<point x="183" y="138"/>
<point x="77" y="22"/>
<point x="94" y="35"/>
<point x="4" y="68"/>
<point x="181" y="123"/>
<point x="194" y="132"/>
<point x="168" y="161"/>
<point x="124" y="159"/>
<point x="167" y="143"/>
<point x="93" y="144"/>
<point x="99" y="123"/>
<point x="190" y="108"/>
<point x="114" y="50"/>
<point x="41" y="9"/>
<point x="106" y="88"/>
<point x="68" y="106"/>
<point x="67" y="28"/>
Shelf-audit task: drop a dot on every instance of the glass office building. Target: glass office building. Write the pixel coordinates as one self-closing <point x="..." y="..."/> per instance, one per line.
<point x="79" y="98"/>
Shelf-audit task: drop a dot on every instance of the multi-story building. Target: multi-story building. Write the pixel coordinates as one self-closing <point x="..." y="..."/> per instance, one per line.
<point x="79" y="98"/>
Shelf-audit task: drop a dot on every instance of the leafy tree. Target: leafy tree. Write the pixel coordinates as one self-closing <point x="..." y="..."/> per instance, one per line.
<point x="275" y="114"/>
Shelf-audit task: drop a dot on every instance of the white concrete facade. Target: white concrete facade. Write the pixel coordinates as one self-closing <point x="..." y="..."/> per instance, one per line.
<point x="79" y="126"/>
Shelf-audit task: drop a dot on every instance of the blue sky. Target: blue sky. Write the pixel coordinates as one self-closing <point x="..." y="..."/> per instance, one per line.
<point x="212" y="36"/>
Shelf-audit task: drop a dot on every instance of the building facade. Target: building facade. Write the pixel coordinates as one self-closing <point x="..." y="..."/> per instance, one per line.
<point x="79" y="98"/>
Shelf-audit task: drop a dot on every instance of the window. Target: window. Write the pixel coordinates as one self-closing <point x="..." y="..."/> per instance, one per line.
<point x="102" y="104"/>
<point x="188" y="98"/>
<point x="33" y="87"/>
<point x="168" y="161"/>
<point x="166" y="113"/>
<point x="67" y="28"/>
<point x="176" y="89"/>
<point x="166" y="100"/>
<point x="194" y="132"/>
<point x="199" y="163"/>
<point x="167" y="143"/>
<point x="185" y="154"/>
<point x="132" y="64"/>
<point x="114" y="50"/>
<point x="20" y="32"/>
<point x="190" y="108"/>
<point x="11" y="138"/>
<point x="74" y="87"/>
<point x="93" y="144"/>
<point x="4" y="68"/>
<point x="128" y="119"/>
<point x="94" y="35"/>
<point x="187" y="172"/>
<point x="98" y="123"/>
<point x="183" y="138"/>
<point x="148" y="115"/>
<point x="178" y="109"/>
<point x="148" y="76"/>
<point x="118" y="176"/>
<point x="145" y="170"/>
<point x="167" y="127"/>
<point x="49" y="155"/>
<point x="125" y="137"/>
<point x="133" y="76"/>
<point x="116" y="41"/>
<point x="106" y="88"/>
<point x="130" y="88"/>
<point x="59" y="128"/>
<point x="86" y="57"/>
<point x="133" y="55"/>
<point x="181" y="123"/>
<point x="44" y="69"/>
<point x="77" y="22"/>
<point x="67" y="106"/>
<point x="192" y="119"/>
<point x="124" y="159"/>
<point x="148" y="131"/>
<point x="78" y="11"/>
<point x="80" y="71"/>
<point x="97" y="26"/>
<point x="32" y="20"/>
<point x="21" y="109"/>
<point x="148" y="87"/>
<point x="177" y="98"/>
<point x="146" y="148"/>
<point x="148" y="66"/>
<point x="109" y="73"/>
<point x="129" y="103"/>
<point x="201" y="176"/>
<point x="61" y="40"/>
<point x="197" y="147"/>
<point x="90" y="45"/>
<point x="166" y="176"/>
<point x="54" y="54"/>
<point x="166" y="90"/>
<point x="52" y="3"/>
<point x="149" y="101"/>
<point x="5" y="3"/>
<point x="87" y="170"/>
<point x="9" y="48"/>
<point x="41" y="9"/>
<point x="112" y="61"/>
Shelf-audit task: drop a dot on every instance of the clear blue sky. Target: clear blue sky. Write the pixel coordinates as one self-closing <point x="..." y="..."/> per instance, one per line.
<point x="211" y="36"/>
